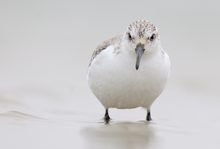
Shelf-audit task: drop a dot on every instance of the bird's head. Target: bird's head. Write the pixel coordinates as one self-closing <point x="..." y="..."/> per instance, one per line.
<point x="141" y="37"/>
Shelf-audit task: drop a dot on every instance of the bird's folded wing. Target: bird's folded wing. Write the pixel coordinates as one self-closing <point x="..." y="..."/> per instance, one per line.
<point x="104" y="45"/>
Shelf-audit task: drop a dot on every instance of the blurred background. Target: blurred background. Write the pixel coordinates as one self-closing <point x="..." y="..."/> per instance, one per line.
<point x="45" y="48"/>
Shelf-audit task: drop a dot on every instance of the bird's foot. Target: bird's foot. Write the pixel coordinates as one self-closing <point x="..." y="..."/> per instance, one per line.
<point x="106" y="117"/>
<point x="148" y="118"/>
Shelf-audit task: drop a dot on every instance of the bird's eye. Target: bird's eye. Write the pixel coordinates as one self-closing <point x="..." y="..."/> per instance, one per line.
<point x="152" y="37"/>
<point x="129" y="36"/>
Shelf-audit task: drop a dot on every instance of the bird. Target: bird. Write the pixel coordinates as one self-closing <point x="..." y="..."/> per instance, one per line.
<point x="129" y="70"/>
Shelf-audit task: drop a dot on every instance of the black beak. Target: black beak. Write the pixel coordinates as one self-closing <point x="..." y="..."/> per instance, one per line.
<point x="139" y="52"/>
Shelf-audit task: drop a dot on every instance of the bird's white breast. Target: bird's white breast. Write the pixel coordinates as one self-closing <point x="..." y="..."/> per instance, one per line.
<point x="117" y="84"/>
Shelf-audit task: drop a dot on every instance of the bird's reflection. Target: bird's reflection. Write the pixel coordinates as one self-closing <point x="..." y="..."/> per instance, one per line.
<point x="119" y="135"/>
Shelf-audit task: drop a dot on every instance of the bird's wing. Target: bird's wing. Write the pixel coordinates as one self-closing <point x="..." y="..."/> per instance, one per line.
<point x="104" y="45"/>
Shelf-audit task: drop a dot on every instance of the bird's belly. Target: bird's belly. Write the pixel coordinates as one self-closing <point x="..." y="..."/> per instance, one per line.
<point x="117" y="84"/>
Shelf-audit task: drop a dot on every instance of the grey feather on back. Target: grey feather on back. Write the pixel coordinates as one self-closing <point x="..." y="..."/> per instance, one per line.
<point x="104" y="45"/>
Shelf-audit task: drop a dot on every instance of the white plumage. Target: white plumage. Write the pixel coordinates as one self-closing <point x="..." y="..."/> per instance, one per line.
<point x="113" y="78"/>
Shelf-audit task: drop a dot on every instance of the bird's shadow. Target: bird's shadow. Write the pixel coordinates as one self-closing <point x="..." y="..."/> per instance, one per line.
<point x="119" y="135"/>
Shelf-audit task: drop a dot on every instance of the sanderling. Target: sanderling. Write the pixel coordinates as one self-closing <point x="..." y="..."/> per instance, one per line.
<point x="129" y="70"/>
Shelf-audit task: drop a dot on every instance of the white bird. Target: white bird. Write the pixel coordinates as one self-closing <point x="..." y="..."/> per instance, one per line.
<point x="129" y="70"/>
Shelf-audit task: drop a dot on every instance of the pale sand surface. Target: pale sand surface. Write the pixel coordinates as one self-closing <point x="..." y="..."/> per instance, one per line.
<point x="180" y="121"/>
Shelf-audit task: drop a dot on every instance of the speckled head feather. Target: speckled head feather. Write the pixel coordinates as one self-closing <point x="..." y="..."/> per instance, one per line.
<point x="138" y="29"/>
<point x="141" y="27"/>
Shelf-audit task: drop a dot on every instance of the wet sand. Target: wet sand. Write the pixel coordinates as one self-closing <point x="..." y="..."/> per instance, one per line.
<point x="184" y="122"/>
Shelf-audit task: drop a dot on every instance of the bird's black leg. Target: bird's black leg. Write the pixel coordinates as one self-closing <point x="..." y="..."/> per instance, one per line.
<point x="106" y="117"/>
<point x="148" y="118"/>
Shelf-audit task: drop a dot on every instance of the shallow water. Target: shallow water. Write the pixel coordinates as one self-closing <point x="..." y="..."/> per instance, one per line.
<point x="186" y="122"/>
